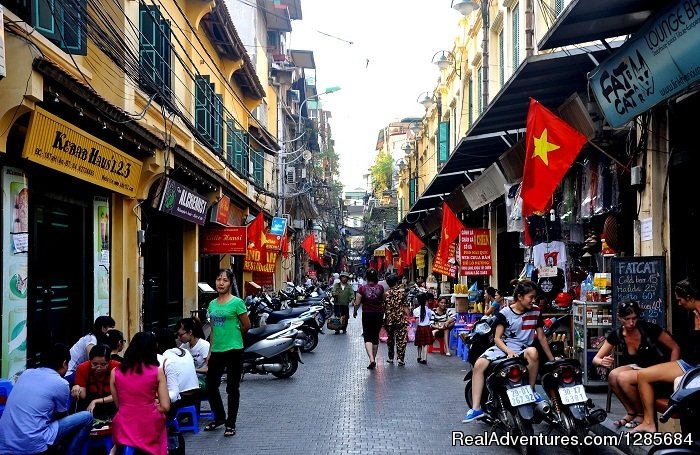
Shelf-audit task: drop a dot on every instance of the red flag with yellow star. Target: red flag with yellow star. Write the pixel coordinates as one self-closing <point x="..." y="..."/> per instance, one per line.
<point x="551" y="146"/>
<point x="451" y="227"/>
<point x="413" y="246"/>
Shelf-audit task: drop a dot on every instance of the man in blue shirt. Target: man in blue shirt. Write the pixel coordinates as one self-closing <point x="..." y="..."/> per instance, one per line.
<point x="30" y="422"/>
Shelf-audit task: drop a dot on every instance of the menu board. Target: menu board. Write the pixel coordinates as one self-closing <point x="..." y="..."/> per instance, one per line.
<point x="642" y="279"/>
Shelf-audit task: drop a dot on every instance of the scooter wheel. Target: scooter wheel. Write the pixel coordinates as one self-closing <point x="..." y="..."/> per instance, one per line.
<point x="311" y="341"/>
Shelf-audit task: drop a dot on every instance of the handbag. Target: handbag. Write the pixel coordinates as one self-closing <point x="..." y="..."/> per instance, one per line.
<point x="334" y="323"/>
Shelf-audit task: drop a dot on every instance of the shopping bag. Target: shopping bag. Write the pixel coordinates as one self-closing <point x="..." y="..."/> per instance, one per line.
<point x="383" y="335"/>
<point x="412" y="331"/>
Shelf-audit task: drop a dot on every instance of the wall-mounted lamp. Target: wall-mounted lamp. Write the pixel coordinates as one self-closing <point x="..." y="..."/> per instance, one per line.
<point x="402" y="165"/>
<point x="407" y="149"/>
<point x="465" y="7"/>
<point x="446" y="60"/>
<point x="426" y="100"/>
<point x="415" y="127"/>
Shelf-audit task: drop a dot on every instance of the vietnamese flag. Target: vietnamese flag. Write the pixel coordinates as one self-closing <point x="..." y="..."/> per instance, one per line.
<point x="451" y="227"/>
<point x="413" y="246"/>
<point x="309" y="245"/>
<point x="551" y="146"/>
<point x="254" y="231"/>
<point x="285" y="246"/>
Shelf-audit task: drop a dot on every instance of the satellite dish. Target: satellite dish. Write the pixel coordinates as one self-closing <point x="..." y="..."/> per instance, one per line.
<point x="306" y="155"/>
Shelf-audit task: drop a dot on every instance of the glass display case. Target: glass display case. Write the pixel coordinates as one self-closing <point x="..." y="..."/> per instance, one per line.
<point x="591" y="323"/>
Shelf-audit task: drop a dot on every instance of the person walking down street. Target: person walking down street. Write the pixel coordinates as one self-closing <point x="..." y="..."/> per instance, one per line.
<point x="424" y="336"/>
<point x="30" y="423"/>
<point x="688" y="294"/>
<point x="229" y="320"/>
<point x="441" y="323"/>
<point x="140" y="419"/>
<point x="80" y="351"/>
<point x="343" y="296"/>
<point x="642" y="344"/>
<point x="395" y="319"/>
<point x="371" y="297"/>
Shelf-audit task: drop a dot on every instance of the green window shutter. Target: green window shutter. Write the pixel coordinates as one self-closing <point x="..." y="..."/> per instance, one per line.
<point x="443" y="142"/>
<point x="558" y="6"/>
<point x="202" y="116"/>
<point x="148" y="46"/>
<point x="230" y="141"/>
<point x="412" y="191"/>
<point x="218" y="122"/>
<point x="516" y="36"/>
<point x="164" y="58"/>
<point x="480" y="90"/>
<point x="258" y="167"/>
<point x="471" y="102"/>
<point x="240" y="157"/>
<point x="501" y="59"/>
<point x="63" y="22"/>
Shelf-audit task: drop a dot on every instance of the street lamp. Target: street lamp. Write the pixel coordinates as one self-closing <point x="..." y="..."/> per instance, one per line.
<point x="466" y="7"/>
<point x="447" y="59"/>
<point x="331" y="89"/>
<point x="415" y="127"/>
<point x="426" y="100"/>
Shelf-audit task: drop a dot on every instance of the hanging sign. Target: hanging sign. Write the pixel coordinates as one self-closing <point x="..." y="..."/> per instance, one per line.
<point x="270" y="241"/>
<point x="642" y="279"/>
<point x="475" y="252"/>
<point x="446" y="266"/>
<point x="180" y="201"/>
<point x="224" y="240"/>
<point x="57" y="144"/>
<point x="278" y="226"/>
<point x="656" y="63"/>
<point x="219" y="211"/>
<point x="260" y="260"/>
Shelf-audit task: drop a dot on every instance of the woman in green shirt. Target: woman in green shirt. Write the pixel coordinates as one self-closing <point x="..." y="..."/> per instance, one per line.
<point x="229" y="321"/>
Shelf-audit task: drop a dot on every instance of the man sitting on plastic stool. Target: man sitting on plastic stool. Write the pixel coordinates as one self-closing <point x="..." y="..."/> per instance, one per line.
<point x="180" y="373"/>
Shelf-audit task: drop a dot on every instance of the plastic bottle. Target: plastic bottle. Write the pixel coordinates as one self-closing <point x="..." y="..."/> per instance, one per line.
<point x="586" y="286"/>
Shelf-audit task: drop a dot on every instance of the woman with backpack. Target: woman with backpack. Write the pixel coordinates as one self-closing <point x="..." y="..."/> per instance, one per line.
<point x="641" y="345"/>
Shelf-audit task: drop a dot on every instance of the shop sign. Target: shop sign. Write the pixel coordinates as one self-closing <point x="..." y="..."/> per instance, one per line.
<point x="271" y="242"/>
<point x="219" y="211"/>
<point x="260" y="260"/>
<point x="445" y="266"/>
<point x="278" y="226"/>
<point x="63" y="147"/>
<point x="658" y="62"/>
<point x="475" y="252"/>
<point x="265" y="280"/>
<point x="179" y="201"/>
<point x="224" y="240"/>
<point x="420" y="261"/>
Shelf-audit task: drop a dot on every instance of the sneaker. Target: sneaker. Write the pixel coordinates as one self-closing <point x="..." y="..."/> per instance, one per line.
<point x="473" y="414"/>
<point x="448" y="354"/>
<point x="538" y="397"/>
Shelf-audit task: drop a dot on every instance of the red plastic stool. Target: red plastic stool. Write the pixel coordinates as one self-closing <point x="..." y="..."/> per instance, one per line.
<point x="440" y="340"/>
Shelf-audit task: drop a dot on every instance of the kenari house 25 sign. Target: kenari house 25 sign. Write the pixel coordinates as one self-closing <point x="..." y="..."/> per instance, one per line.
<point x="182" y="202"/>
<point x="68" y="149"/>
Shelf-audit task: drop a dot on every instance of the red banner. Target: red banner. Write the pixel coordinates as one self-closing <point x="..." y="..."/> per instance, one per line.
<point x="442" y="266"/>
<point x="266" y="280"/>
<point x="475" y="252"/>
<point x="223" y="240"/>
<point x="271" y="242"/>
<point x="260" y="260"/>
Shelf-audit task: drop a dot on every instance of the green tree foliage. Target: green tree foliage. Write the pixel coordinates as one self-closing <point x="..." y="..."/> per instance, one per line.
<point x="381" y="172"/>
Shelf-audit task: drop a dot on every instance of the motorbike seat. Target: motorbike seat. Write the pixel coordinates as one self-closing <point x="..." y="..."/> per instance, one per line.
<point x="277" y="316"/>
<point x="504" y="362"/>
<point x="260" y="333"/>
<point x="551" y="365"/>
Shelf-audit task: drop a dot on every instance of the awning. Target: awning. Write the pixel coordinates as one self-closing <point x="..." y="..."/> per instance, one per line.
<point x="591" y="20"/>
<point x="549" y="78"/>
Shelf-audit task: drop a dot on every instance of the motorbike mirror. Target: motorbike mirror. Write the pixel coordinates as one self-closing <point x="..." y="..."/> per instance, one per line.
<point x="482" y="329"/>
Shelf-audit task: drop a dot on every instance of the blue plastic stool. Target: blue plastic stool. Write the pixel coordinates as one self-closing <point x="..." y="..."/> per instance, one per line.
<point x="194" y="419"/>
<point x="98" y="441"/>
<point x="462" y="349"/>
<point x="206" y="414"/>
<point x="128" y="450"/>
<point x="5" y="389"/>
<point x="453" y="335"/>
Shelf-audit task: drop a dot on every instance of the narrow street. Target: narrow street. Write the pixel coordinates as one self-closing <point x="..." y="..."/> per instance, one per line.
<point x="334" y="405"/>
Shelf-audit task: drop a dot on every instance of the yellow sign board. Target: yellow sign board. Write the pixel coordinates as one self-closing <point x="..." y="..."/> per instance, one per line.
<point x="68" y="149"/>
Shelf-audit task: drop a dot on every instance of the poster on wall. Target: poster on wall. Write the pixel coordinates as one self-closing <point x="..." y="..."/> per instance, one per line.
<point x="475" y="252"/>
<point x="101" y="260"/>
<point x="15" y="280"/>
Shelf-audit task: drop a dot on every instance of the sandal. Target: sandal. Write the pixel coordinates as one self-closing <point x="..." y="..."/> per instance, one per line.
<point x="624" y="421"/>
<point x="229" y="432"/>
<point x="634" y="423"/>
<point x="213" y="426"/>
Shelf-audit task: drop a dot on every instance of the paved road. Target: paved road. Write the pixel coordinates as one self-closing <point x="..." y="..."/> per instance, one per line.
<point x="334" y="405"/>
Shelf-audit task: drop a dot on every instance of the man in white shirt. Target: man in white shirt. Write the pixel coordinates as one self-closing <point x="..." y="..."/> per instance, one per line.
<point x="178" y="366"/>
<point x="190" y="336"/>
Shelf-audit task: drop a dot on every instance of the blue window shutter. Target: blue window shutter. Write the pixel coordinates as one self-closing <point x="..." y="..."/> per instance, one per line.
<point x="516" y="36"/>
<point x="501" y="59"/>
<point x="443" y="142"/>
<point x="148" y="45"/>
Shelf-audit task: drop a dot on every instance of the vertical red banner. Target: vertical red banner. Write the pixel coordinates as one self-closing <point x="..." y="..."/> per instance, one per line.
<point x="475" y="252"/>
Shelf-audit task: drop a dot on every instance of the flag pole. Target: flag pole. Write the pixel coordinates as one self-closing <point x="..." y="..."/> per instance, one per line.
<point x="595" y="146"/>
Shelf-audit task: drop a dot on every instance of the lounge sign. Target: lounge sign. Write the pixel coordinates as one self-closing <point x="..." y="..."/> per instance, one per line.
<point x="68" y="149"/>
<point x="180" y="201"/>
<point x="659" y="61"/>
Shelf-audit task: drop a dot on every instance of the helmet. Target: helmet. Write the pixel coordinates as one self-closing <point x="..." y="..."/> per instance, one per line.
<point x="564" y="300"/>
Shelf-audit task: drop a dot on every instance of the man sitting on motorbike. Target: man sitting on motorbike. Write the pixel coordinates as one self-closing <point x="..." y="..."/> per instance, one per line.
<point x="516" y="327"/>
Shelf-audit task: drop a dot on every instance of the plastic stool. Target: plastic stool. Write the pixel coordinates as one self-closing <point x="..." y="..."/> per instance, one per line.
<point x="194" y="419"/>
<point x="206" y="414"/>
<point x="98" y="441"/>
<point x="128" y="450"/>
<point x="462" y="349"/>
<point x="441" y="341"/>
<point x="453" y="335"/>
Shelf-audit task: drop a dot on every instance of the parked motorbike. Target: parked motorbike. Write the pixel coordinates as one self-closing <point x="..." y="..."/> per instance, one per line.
<point x="261" y="314"/>
<point x="296" y="296"/>
<point x="685" y="401"/>
<point x="571" y="412"/>
<point x="272" y="349"/>
<point x="508" y="400"/>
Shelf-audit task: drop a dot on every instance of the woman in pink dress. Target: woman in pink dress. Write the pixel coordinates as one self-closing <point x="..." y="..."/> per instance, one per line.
<point x="141" y="395"/>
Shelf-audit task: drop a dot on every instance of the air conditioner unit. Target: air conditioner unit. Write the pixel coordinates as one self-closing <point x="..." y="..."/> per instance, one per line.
<point x="290" y="175"/>
<point x="294" y="95"/>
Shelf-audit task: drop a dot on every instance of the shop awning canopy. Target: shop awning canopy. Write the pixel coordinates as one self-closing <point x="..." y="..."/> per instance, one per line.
<point x="585" y="21"/>
<point x="549" y="78"/>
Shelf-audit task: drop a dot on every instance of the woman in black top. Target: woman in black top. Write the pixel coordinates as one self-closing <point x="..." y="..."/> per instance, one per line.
<point x="688" y="294"/>
<point x="642" y="344"/>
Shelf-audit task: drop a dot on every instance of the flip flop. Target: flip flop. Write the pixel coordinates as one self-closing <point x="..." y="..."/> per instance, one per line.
<point x="229" y="432"/>
<point x="213" y="426"/>
<point x="633" y="423"/>
<point x="624" y="421"/>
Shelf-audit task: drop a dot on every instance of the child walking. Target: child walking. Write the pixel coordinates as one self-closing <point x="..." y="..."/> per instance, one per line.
<point x="424" y="335"/>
